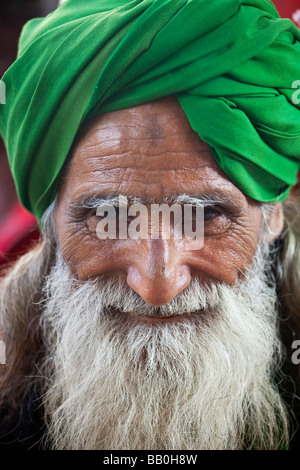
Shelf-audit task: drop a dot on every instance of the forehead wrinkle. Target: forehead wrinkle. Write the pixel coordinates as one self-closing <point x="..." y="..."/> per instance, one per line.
<point x="130" y="174"/>
<point x="119" y="134"/>
<point x="132" y="161"/>
<point x="115" y="130"/>
<point x="126" y="138"/>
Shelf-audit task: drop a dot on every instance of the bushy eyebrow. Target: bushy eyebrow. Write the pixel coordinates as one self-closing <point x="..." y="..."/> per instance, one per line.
<point x="206" y="199"/>
<point x="215" y="198"/>
<point x="78" y="207"/>
<point x="92" y="202"/>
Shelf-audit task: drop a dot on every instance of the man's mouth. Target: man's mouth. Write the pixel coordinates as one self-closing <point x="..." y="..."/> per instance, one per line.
<point x="153" y="319"/>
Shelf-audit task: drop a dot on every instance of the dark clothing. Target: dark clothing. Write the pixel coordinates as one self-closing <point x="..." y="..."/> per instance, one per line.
<point x="289" y="380"/>
<point x="26" y="431"/>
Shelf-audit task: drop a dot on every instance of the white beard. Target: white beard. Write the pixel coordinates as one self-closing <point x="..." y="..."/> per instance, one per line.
<point x="204" y="383"/>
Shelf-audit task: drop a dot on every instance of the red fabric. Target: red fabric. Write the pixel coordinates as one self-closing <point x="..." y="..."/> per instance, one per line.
<point x="17" y="233"/>
<point x="289" y="9"/>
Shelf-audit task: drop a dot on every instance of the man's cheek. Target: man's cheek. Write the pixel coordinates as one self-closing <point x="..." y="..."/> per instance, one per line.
<point x="224" y="259"/>
<point x="243" y="244"/>
<point x="77" y="246"/>
<point x="90" y="257"/>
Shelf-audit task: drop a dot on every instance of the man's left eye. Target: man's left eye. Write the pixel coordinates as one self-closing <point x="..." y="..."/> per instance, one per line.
<point x="216" y="221"/>
<point x="210" y="213"/>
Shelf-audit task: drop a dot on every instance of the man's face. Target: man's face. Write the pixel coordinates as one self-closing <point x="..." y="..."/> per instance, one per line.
<point x="151" y="152"/>
<point x="151" y="345"/>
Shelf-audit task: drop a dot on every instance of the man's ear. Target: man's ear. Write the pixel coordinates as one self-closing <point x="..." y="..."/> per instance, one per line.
<point x="295" y="191"/>
<point x="275" y="222"/>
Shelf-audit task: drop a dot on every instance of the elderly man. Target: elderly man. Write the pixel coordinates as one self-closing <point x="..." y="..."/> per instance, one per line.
<point x="150" y="342"/>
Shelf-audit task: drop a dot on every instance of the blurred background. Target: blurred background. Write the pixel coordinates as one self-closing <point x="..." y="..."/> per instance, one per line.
<point x="18" y="228"/>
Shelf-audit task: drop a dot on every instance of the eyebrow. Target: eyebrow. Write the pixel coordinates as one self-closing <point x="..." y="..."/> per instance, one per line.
<point x="208" y="199"/>
<point x="205" y="199"/>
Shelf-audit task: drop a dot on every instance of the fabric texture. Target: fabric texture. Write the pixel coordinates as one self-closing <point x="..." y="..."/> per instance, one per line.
<point x="230" y="63"/>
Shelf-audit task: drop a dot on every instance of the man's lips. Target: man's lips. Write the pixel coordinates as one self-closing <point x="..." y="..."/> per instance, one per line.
<point x="153" y="319"/>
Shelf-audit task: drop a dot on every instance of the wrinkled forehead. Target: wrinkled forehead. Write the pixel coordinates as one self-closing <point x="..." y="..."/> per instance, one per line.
<point x="148" y="151"/>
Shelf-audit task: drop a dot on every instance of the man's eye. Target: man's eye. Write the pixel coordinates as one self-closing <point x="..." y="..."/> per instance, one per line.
<point x="210" y="213"/>
<point x="215" y="221"/>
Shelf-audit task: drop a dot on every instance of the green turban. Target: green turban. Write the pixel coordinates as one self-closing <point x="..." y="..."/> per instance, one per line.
<point x="230" y="63"/>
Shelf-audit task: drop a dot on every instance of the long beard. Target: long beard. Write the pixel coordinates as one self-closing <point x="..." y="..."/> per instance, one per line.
<point x="207" y="382"/>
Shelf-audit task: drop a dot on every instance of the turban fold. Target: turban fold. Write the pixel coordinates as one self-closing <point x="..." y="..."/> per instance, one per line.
<point x="230" y="63"/>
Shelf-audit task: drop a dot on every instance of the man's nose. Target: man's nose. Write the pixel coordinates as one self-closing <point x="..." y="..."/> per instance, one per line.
<point x="158" y="274"/>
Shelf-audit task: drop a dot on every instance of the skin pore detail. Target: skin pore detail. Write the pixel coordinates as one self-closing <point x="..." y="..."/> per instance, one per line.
<point x="150" y="152"/>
